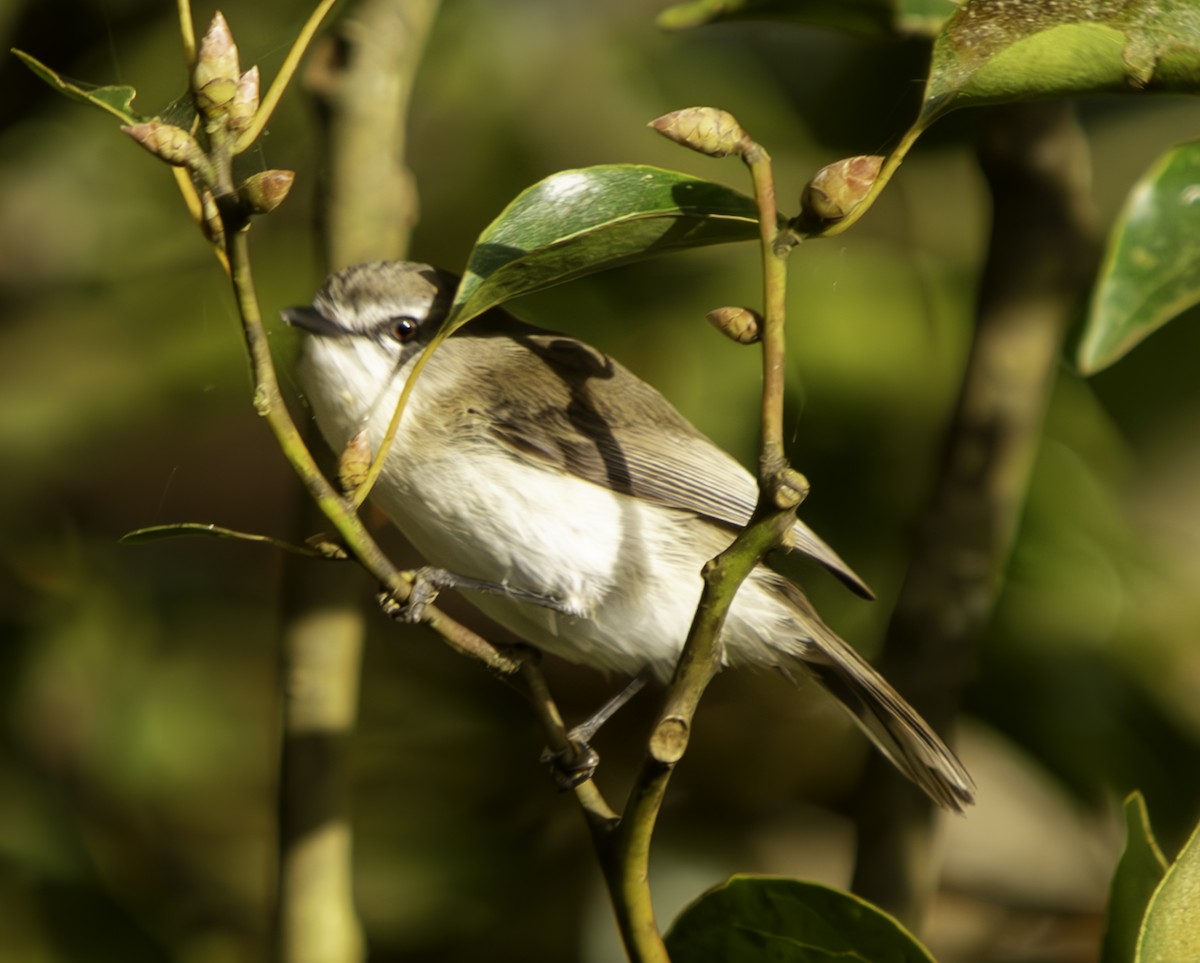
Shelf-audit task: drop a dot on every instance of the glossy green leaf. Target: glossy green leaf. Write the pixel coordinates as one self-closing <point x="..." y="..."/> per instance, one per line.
<point x="1138" y="874"/>
<point x="999" y="50"/>
<point x="753" y="918"/>
<point x="579" y="221"/>
<point x="872" y="17"/>
<point x="115" y="100"/>
<point x="1171" y="929"/>
<point x="1151" y="271"/>
<point x="154" y="533"/>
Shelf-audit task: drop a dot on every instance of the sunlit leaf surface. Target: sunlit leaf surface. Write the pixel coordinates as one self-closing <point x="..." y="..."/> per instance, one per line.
<point x="1151" y="272"/>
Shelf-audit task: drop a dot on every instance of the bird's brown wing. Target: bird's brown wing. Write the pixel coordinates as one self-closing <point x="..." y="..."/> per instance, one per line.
<point x="602" y="423"/>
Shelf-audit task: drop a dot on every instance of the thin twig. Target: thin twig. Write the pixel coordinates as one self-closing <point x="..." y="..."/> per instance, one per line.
<point x="271" y="98"/>
<point x="187" y="32"/>
<point x="625" y="853"/>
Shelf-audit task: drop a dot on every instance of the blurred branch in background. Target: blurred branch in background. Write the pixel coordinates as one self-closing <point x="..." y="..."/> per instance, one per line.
<point x="361" y="77"/>
<point x="1041" y="256"/>
<point x="362" y="80"/>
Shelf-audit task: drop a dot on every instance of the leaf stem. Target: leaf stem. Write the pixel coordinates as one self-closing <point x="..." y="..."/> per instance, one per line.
<point x="187" y="32"/>
<point x="271" y="98"/>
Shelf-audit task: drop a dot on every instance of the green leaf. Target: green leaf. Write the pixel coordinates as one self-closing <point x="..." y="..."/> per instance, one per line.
<point x="753" y="918"/>
<point x="871" y="17"/>
<point x="998" y="50"/>
<point x="1137" y="875"/>
<point x="1151" y="271"/>
<point x="1171" y="929"/>
<point x="116" y="100"/>
<point x="579" y="221"/>
<point x="315" y="549"/>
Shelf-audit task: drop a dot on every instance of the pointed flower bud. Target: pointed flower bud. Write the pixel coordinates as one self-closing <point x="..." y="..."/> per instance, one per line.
<point x="838" y="188"/>
<point x="743" y="325"/>
<point x="704" y="129"/>
<point x="244" y="105"/>
<point x="354" y="462"/>
<point x="265" y="191"/>
<point x="215" y="77"/>
<point x="167" y="142"/>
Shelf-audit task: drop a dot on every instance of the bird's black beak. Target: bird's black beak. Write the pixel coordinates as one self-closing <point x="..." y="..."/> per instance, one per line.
<point x="313" y="321"/>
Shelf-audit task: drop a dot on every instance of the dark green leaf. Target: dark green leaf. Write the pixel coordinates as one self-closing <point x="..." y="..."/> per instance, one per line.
<point x="998" y="50"/>
<point x="1151" y="271"/>
<point x="116" y="100"/>
<point x="871" y="17"/>
<point x="579" y="221"/>
<point x="788" y="921"/>
<point x="1138" y="873"/>
<point x="317" y="549"/>
<point x="1171" y="929"/>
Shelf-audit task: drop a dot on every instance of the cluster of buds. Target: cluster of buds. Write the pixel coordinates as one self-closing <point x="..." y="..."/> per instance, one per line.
<point x="228" y="101"/>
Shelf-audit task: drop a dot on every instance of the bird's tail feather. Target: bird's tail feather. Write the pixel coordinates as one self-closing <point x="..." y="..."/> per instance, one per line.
<point x="888" y="721"/>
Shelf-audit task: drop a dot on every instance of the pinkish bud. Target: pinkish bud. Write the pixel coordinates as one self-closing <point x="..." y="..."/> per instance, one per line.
<point x="265" y="191"/>
<point x="244" y="105"/>
<point x="838" y="188"/>
<point x="705" y="129"/>
<point x="215" y="77"/>
<point x="167" y="142"/>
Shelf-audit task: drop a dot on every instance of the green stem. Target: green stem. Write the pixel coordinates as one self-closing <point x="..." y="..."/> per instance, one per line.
<point x="271" y="99"/>
<point x="771" y="456"/>
<point x="187" y="32"/>
<point x="625" y="854"/>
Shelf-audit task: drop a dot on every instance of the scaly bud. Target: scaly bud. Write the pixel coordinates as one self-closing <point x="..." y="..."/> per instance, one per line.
<point x="265" y="191"/>
<point x="354" y="462"/>
<point x="705" y="129"/>
<point x="215" y="77"/>
<point x="244" y="105"/>
<point x="326" y="547"/>
<point x="838" y="188"/>
<point x="167" y="142"/>
<point x="790" y="489"/>
<point x="744" y="325"/>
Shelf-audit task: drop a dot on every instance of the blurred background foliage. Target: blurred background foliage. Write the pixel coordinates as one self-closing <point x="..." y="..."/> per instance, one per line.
<point x="138" y="744"/>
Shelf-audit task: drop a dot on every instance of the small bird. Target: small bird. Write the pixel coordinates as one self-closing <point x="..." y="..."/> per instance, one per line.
<point x="533" y="464"/>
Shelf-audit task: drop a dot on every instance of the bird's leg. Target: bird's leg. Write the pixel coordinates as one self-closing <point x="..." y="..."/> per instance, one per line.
<point x="568" y="775"/>
<point x="584" y="732"/>
<point x="428" y="582"/>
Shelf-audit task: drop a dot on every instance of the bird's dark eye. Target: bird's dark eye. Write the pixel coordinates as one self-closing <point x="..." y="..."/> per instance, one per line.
<point x="401" y="329"/>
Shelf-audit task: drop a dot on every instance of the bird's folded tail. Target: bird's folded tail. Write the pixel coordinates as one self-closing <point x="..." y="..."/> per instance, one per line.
<point x="888" y="721"/>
